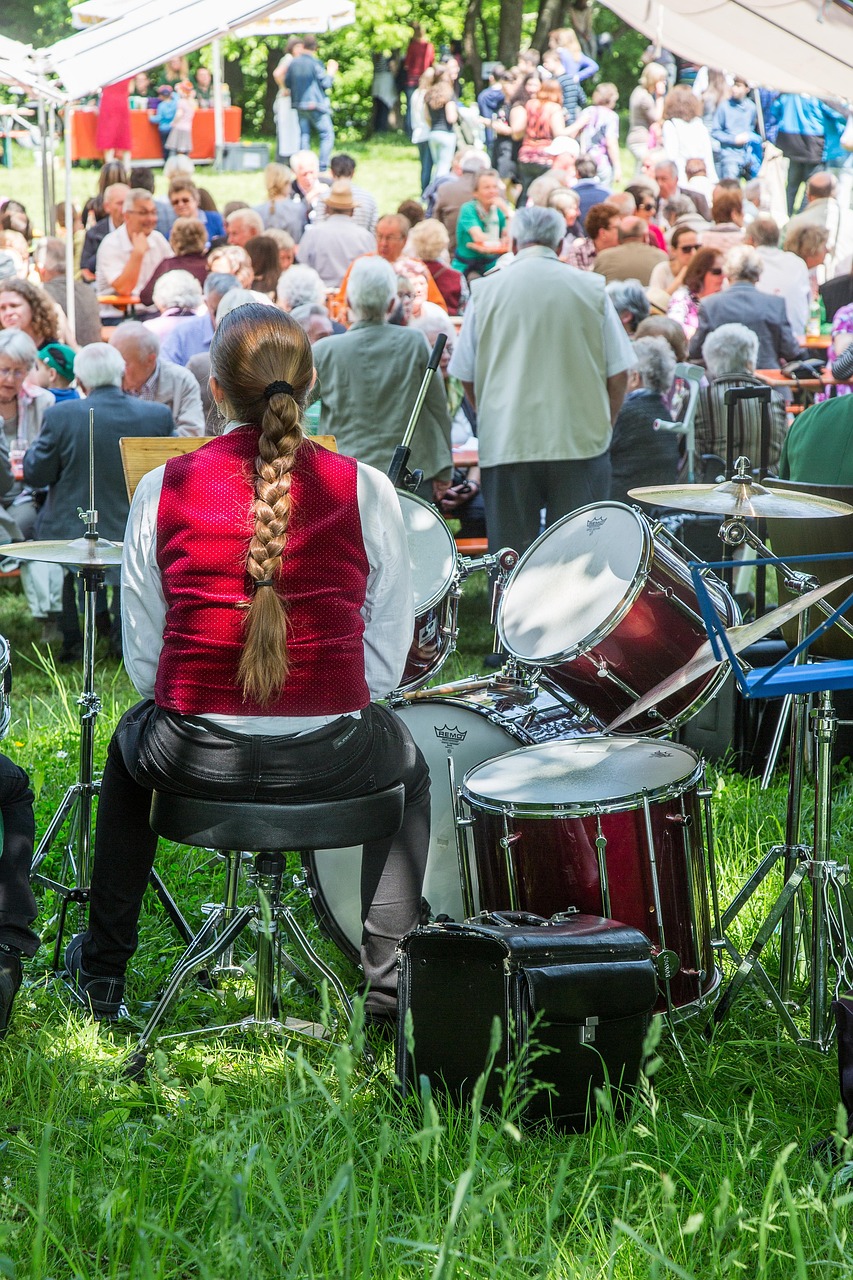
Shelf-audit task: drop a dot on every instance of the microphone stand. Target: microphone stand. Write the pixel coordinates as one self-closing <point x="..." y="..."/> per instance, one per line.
<point x="398" y="472"/>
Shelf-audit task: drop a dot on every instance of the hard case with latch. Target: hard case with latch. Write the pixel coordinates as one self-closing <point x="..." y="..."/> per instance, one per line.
<point x="574" y="996"/>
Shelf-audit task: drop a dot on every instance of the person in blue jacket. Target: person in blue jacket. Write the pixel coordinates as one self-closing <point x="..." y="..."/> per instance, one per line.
<point x="800" y="137"/>
<point x="734" y="129"/>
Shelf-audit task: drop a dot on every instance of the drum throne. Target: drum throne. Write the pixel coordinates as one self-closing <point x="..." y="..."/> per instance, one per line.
<point x="258" y="836"/>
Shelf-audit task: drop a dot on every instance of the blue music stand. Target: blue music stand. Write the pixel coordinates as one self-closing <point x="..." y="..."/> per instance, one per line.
<point x="831" y="939"/>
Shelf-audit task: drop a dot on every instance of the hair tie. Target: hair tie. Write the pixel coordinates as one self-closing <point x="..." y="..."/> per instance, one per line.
<point x="265" y="582"/>
<point x="277" y="388"/>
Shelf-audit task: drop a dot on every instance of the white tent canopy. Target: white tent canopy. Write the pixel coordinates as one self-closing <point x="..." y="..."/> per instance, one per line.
<point x="143" y="38"/>
<point x="302" y="17"/>
<point x="797" y="46"/>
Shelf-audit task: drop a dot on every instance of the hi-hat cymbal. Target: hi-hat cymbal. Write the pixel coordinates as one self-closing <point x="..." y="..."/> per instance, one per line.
<point x="740" y="638"/>
<point x="742" y="497"/>
<point x="81" y="553"/>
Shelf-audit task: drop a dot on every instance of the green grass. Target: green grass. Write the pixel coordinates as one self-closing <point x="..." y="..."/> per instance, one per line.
<point x="274" y="1160"/>
<point x="389" y="169"/>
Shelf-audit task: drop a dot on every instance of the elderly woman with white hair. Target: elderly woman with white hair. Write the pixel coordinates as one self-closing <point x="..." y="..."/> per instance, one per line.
<point x="741" y="303"/>
<point x="369" y="378"/>
<point x="730" y="355"/>
<point x="639" y="455"/>
<point x="178" y="297"/>
<point x="631" y="303"/>
<point x="298" y="286"/>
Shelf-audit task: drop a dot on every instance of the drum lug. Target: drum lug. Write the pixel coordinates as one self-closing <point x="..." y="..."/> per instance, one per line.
<point x="680" y="819"/>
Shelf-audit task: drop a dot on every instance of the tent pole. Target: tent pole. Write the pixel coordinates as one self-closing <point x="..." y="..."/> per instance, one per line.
<point x="218" y="124"/>
<point x="70" y="309"/>
<point x="45" y="182"/>
<point x="51" y="173"/>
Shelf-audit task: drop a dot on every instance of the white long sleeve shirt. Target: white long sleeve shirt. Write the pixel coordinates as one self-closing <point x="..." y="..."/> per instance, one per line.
<point x="388" y="609"/>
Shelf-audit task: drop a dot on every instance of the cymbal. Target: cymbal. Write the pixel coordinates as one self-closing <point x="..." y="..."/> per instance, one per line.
<point x="740" y="638"/>
<point x="81" y="553"/>
<point x="742" y="497"/>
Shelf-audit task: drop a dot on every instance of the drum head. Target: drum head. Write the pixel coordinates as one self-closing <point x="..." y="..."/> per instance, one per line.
<point x="432" y="551"/>
<point x="575" y="583"/>
<point x="439" y="728"/>
<point x="581" y="775"/>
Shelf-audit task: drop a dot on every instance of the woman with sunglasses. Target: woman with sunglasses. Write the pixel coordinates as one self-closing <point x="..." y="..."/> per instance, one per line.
<point x="704" y="276"/>
<point x="645" y="198"/>
<point x="684" y="243"/>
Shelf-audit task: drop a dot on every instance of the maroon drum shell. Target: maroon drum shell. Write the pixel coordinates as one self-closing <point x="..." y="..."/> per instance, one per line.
<point x="655" y="639"/>
<point x="556" y="867"/>
<point x="430" y="645"/>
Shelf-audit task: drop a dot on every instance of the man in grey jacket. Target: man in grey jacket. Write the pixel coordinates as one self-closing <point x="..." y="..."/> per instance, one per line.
<point x="58" y="460"/>
<point x="368" y="380"/>
<point x="148" y="377"/>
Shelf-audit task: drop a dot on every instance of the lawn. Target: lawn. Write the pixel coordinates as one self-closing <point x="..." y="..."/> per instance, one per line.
<point x="274" y="1160"/>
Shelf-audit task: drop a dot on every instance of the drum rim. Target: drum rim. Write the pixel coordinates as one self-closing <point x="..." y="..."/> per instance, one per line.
<point x="442" y="592"/>
<point x="587" y="808"/>
<point x="492" y="716"/>
<point x="617" y="615"/>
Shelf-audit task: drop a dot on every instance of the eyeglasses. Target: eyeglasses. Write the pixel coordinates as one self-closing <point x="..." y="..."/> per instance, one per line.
<point x="17" y="375"/>
<point x="647" y="207"/>
<point x="715" y="271"/>
<point x="688" y="248"/>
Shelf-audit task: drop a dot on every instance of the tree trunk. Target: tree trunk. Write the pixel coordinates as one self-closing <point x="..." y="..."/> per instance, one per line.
<point x="470" y="51"/>
<point x="271" y="90"/>
<point x="509" y="40"/>
<point x="550" y="17"/>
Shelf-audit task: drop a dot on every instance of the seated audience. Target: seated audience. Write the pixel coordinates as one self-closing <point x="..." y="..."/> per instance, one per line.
<point x="113" y="206"/>
<point x="602" y="232"/>
<point x="430" y="242"/>
<point x="365" y="212"/>
<point x="729" y="355"/>
<point x="147" y="377"/>
<point x="633" y="258"/>
<point x="298" y="287"/>
<point x="784" y="275"/>
<point x="669" y="274"/>
<point x="639" y="455"/>
<point x="58" y="460"/>
<point x="630" y="301"/>
<point x="242" y="224"/>
<point x="264" y="255"/>
<point x="664" y="327"/>
<point x="178" y="298"/>
<point x="185" y="201"/>
<point x="55" y="371"/>
<point x="286" y="246"/>
<point x="702" y="279"/>
<point x="481" y="229"/>
<point x="187" y="240"/>
<point x="727" y="229"/>
<point x="280" y="210"/>
<point x="232" y="260"/>
<point x="26" y="307"/>
<point x="369" y="378"/>
<point x="128" y="257"/>
<point x="49" y="260"/>
<point x="331" y="246"/>
<point x="741" y="303"/>
<point x="192" y="338"/>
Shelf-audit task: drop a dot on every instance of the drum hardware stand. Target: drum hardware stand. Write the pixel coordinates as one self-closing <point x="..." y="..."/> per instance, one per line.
<point x="398" y="469"/>
<point x="76" y="804"/>
<point x="829" y="939"/>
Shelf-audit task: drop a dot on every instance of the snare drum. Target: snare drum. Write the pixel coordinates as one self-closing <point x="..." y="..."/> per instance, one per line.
<point x="434" y="561"/>
<point x="607" y="825"/>
<point x="607" y="609"/>
<point x="466" y="729"/>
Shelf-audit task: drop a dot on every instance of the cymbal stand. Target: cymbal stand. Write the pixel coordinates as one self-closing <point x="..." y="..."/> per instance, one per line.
<point x="828" y="940"/>
<point x="76" y="804"/>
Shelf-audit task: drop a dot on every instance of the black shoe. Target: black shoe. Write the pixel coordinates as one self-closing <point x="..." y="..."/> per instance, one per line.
<point x="102" y="996"/>
<point x="10" y="980"/>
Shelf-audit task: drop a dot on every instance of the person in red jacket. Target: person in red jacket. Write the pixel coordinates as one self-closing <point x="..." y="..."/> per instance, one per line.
<point x="267" y="603"/>
<point x="420" y="55"/>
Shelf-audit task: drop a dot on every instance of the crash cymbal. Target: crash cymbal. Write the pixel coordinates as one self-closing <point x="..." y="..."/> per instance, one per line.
<point x="81" y="553"/>
<point x="744" y="498"/>
<point x="740" y="638"/>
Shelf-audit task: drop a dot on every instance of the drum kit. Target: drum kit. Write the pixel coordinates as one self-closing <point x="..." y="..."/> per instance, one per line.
<point x="540" y="801"/>
<point x="556" y="784"/>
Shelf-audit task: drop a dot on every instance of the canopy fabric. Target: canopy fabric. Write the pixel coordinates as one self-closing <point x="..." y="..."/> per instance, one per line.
<point x="797" y="46"/>
<point x="300" y="18"/>
<point x="143" y="38"/>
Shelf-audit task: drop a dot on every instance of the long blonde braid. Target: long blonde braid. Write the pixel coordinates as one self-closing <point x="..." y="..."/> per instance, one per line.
<point x="262" y="362"/>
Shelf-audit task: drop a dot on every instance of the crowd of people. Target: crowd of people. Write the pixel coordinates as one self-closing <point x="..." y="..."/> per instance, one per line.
<point x="567" y="296"/>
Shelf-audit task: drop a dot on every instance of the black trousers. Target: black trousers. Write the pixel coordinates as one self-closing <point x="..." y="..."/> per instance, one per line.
<point x="153" y="749"/>
<point x="17" y="904"/>
<point x="514" y="495"/>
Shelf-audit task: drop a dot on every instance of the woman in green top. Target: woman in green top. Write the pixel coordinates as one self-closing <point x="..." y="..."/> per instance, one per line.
<point x="481" y="232"/>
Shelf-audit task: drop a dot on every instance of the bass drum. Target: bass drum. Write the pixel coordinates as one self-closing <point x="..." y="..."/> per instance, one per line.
<point x="470" y="729"/>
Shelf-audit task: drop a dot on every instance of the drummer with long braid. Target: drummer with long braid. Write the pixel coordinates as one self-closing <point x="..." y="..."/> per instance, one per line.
<point x="267" y="603"/>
